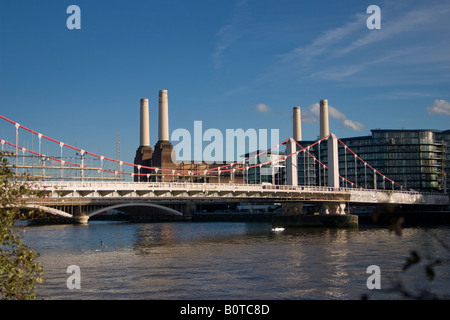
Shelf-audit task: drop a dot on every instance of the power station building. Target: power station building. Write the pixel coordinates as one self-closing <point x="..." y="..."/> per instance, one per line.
<point x="161" y="156"/>
<point x="414" y="159"/>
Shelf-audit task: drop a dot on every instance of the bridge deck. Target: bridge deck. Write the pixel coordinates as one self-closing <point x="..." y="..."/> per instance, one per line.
<point x="92" y="191"/>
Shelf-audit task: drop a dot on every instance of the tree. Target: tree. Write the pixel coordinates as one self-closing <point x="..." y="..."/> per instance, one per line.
<point x="19" y="270"/>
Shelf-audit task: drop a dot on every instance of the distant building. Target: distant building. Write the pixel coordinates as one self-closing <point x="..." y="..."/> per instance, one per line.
<point x="415" y="159"/>
<point x="264" y="167"/>
<point x="445" y="137"/>
<point x="170" y="170"/>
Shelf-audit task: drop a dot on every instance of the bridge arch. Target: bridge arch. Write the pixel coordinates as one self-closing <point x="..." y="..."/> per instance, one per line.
<point x="168" y="210"/>
<point x="53" y="211"/>
<point x="64" y="214"/>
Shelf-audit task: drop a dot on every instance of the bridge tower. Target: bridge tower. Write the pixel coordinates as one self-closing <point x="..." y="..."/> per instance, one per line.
<point x="291" y="163"/>
<point x="333" y="162"/>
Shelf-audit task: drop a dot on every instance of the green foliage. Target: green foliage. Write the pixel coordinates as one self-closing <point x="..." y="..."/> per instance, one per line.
<point x="19" y="271"/>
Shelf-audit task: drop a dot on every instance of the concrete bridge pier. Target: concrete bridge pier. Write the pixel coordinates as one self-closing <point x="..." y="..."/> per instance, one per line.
<point x="292" y="208"/>
<point x="79" y="215"/>
<point x="334" y="208"/>
<point x="333" y="217"/>
<point x="189" y="209"/>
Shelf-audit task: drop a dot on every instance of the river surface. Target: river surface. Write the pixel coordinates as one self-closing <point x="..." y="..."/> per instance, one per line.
<point x="219" y="260"/>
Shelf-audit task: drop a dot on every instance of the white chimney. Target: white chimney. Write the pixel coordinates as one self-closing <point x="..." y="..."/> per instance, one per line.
<point x="324" y="127"/>
<point x="297" y="124"/>
<point x="145" y="125"/>
<point x="163" y="116"/>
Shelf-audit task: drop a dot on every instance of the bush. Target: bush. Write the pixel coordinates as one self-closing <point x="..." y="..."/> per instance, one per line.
<point x="19" y="271"/>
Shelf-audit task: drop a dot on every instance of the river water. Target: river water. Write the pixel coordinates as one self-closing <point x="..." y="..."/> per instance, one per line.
<point x="219" y="260"/>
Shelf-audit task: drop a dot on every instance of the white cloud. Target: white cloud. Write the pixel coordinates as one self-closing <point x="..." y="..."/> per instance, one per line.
<point x="308" y="117"/>
<point x="336" y="114"/>
<point x="315" y="108"/>
<point x="355" y="125"/>
<point x="439" y="107"/>
<point x="263" y="108"/>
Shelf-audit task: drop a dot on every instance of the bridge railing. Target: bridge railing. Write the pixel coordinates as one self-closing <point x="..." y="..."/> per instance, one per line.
<point x="190" y="186"/>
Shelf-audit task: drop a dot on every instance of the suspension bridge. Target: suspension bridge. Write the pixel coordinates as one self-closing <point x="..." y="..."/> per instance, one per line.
<point x="77" y="184"/>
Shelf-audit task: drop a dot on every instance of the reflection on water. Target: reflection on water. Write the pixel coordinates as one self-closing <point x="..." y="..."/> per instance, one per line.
<point x="229" y="261"/>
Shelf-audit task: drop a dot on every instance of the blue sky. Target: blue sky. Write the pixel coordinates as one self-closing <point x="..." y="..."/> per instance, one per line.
<point x="231" y="64"/>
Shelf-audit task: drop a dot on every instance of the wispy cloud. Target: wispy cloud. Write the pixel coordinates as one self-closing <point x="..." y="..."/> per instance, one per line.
<point x="229" y="33"/>
<point x="308" y="117"/>
<point x="336" y="114"/>
<point x="439" y="107"/>
<point x="346" y="70"/>
<point x="355" y="125"/>
<point x="227" y="36"/>
<point x="322" y="44"/>
<point x="341" y="53"/>
<point x="398" y="95"/>
<point x="418" y="18"/>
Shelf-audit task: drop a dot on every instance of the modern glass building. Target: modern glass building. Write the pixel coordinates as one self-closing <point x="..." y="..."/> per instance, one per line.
<point x="264" y="167"/>
<point x="445" y="137"/>
<point x="413" y="159"/>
